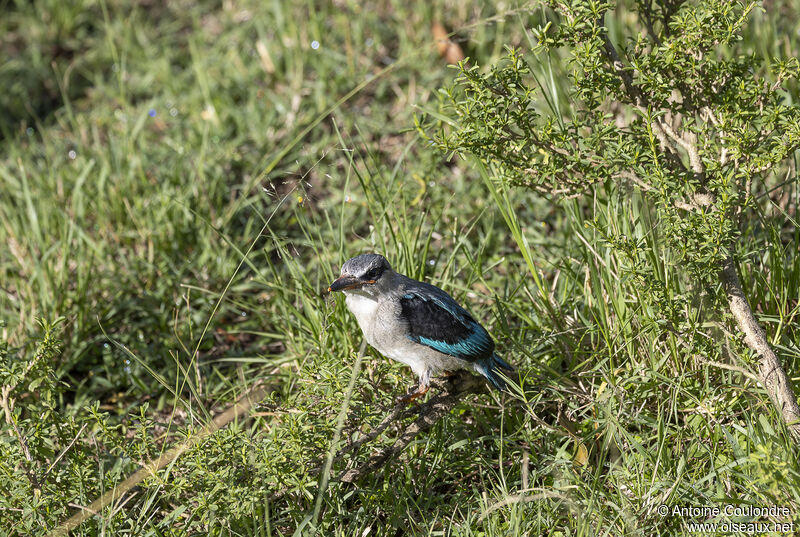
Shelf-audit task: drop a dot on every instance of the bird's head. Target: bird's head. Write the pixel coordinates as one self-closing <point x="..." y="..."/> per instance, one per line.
<point x="361" y="272"/>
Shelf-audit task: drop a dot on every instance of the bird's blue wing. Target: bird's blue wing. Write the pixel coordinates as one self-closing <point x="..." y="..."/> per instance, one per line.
<point x="437" y="321"/>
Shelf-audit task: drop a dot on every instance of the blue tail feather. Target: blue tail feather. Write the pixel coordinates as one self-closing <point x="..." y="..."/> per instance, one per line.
<point x="490" y="367"/>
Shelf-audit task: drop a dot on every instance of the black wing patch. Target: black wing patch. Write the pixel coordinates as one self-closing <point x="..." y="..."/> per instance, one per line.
<point x="443" y="325"/>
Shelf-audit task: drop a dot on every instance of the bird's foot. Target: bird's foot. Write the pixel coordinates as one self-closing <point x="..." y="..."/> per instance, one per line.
<point x="416" y="394"/>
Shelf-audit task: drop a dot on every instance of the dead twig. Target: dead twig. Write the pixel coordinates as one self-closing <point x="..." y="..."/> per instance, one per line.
<point x="770" y="371"/>
<point x="429" y="413"/>
<point x="64" y="451"/>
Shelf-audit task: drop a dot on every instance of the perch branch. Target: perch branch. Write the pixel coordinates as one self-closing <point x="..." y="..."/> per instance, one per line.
<point x="429" y="414"/>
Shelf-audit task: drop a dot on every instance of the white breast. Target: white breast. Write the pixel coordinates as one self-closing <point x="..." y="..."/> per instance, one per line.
<point x="365" y="309"/>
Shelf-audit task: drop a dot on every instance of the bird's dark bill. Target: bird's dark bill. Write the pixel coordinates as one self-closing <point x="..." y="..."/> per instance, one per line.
<point x="346" y="282"/>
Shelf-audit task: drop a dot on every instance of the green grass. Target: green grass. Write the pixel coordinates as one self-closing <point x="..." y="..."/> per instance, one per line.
<point x="133" y="229"/>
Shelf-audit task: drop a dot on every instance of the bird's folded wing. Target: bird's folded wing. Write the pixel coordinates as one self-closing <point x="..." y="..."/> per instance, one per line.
<point x="441" y="324"/>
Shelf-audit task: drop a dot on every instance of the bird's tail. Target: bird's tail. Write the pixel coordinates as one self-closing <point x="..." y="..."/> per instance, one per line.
<point x="490" y="368"/>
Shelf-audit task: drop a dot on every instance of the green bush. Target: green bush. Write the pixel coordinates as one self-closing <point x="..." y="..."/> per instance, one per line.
<point x="672" y="130"/>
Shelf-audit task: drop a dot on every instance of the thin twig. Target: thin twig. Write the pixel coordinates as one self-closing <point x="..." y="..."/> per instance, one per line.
<point x="522" y="498"/>
<point x="429" y="414"/>
<point x="7" y="404"/>
<point x="691" y="148"/>
<point x="64" y="451"/>
<point x="730" y="367"/>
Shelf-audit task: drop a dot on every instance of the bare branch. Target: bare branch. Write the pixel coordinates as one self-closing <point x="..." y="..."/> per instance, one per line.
<point x="729" y="367"/>
<point x="690" y="146"/>
<point x="429" y="414"/>
<point x="770" y="371"/>
<point x="700" y="200"/>
<point x="634" y="179"/>
<point x="663" y="131"/>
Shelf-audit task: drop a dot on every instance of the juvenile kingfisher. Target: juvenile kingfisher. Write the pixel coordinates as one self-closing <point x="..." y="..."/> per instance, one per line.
<point x="416" y="323"/>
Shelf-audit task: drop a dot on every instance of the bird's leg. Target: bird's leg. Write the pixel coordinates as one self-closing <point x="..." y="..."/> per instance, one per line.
<point x="422" y="389"/>
<point x="416" y="394"/>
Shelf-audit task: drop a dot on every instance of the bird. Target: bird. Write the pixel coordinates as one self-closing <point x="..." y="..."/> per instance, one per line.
<point x="416" y="323"/>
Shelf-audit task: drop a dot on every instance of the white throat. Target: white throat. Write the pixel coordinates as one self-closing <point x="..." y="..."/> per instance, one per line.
<point x="365" y="309"/>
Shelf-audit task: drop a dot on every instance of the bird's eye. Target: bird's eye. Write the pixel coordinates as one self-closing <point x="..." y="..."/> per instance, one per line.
<point x="373" y="273"/>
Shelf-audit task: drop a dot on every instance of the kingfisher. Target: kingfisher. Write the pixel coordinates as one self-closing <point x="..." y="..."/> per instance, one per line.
<point x="416" y="323"/>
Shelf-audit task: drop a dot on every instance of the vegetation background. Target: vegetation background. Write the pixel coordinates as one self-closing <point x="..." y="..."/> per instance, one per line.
<point x="178" y="182"/>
